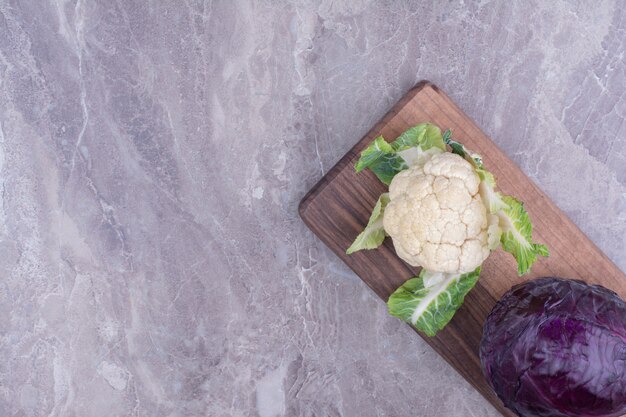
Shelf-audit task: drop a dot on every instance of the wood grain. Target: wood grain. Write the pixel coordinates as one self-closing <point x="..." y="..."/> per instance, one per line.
<point x="338" y="208"/>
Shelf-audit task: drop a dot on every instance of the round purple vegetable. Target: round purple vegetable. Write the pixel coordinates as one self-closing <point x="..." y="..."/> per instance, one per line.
<point x="557" y="348"/>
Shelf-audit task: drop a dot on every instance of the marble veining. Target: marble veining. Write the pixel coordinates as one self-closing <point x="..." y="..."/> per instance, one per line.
<point x="153" y="154"/>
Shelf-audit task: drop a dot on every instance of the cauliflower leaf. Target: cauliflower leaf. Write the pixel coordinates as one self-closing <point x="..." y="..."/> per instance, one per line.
<point x="424" y="136"/>
<point x="487" y="189"/>
<point x="381" y="158"/>
<point x="413" y="147"/>
<point x="419" y="143"/>
<point x="374" y="233"/>
<point x="513" y="228"/>
<point x="429" y="301"/>
<point x="462" y="151"/>
<point x="417" y="157"/>
<point x="517" y="235"/>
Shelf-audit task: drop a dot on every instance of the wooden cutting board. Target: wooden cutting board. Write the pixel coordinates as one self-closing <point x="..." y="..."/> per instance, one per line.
<point x="338" y="208"/>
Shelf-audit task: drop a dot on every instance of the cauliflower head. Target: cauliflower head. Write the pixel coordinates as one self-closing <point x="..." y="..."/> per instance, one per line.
<point x="436" y="216"/>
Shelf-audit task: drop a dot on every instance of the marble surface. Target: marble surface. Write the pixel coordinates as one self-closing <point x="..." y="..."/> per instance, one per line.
<point x="153" y="157"/>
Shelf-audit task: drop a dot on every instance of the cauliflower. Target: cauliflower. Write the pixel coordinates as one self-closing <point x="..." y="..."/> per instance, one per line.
<point x="436" y="217"/>
<point x="444" y="214"/>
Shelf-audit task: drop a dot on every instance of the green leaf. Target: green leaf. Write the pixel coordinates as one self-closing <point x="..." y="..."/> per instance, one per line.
<point x="447" y="135"/>
<point x="462" y="151"/>
<point x="413" y="147"/>
<point x="387" y="167"/>
<point x="370" y="155"/>
<point x="491" y="198"/>
<point x="429" y="301"/>
<point x="374" y="233"/>
<point x="457" y="148"/>
<point x="381" y="158"/>
<point x="425" y="136"/>
<point x="517" y="235"/>
<point x="417" y="157"/>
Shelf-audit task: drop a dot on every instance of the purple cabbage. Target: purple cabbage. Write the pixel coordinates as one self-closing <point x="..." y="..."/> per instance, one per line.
<point x="557" y="348"/>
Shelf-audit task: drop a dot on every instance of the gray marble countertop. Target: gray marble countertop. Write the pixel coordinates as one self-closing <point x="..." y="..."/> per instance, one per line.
<point x="153" y="157"/>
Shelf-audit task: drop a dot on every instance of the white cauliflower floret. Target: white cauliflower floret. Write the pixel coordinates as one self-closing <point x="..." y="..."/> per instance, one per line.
<point x="436" y="217"/>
